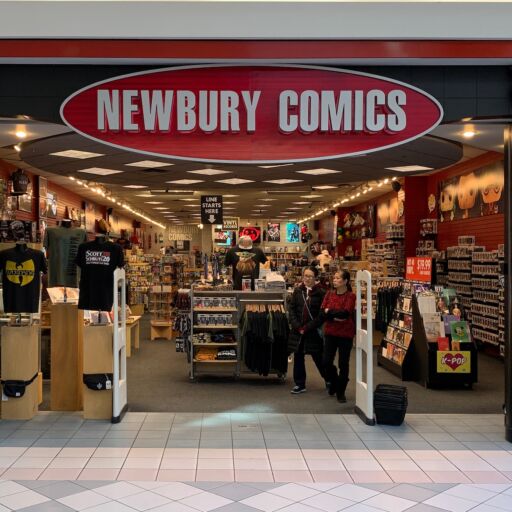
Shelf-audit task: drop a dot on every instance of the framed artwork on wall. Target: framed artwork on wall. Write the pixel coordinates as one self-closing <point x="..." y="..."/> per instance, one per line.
<point x="25" y="200"/>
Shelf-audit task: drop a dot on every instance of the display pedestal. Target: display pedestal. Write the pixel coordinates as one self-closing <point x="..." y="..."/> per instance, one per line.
<point x="66" y="357"/>
<point x="20" y="359"/>
<point x="98" y="358"/>
<point x="132" y="334"/>
<point x="161" y="330"/>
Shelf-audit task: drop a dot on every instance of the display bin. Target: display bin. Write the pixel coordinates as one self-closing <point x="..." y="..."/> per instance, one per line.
<point x="20" y="360"/>
<point x="98" y="358"/>
<point x="390" y="404"/>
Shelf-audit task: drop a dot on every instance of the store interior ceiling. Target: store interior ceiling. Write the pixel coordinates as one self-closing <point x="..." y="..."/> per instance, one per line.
<point x="168" y="190"/>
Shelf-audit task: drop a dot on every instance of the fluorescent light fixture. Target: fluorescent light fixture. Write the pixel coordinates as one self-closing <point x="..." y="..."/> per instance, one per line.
<point x="230" y="208"/>
<point x="311" y="196"/>
<point x="365" y="191"/>
<point x="323" y="187"/>
<point x="192" y="205"/>
<point x="301" y="202"/>
<point x="209" y="172"/>
<point x="352" y="197"/>
<point x="154" y="202"/>
<point x="230" y="202"/>
<point x="144" y="195"/>
<point x="160" y="208"/>
<point x="294" y="208"/>
<point x="235" y="181"/>
<point x="187" y="199"/>
<point x="185" y="182"/>
<point x="74" y="153"/>
<point x="318" y="172"/>
<point x="409" y="168"/>
<point x="268" y="199"/>
<point x="17" y="147"/>
<point x="230" y="195"/>
<point x="135" y="186"/>
<point x="282" y="181"/>
<point x="149" y="164"/>
<point x="273" y="166"/>
<point x="358" y="194"/>
<point x="99" y="171"/>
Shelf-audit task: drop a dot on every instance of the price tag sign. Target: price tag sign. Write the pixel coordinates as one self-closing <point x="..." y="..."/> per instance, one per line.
<point x="211" y="210"/>
<point x="419" y="269"/>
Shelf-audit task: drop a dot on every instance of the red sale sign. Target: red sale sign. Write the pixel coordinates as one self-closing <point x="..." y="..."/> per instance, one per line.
<point x="251" y="114"/>
<point x="419" y="269"/>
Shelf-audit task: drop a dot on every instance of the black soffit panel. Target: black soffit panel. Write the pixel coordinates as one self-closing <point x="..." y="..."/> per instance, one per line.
<point x="427" y="151"/>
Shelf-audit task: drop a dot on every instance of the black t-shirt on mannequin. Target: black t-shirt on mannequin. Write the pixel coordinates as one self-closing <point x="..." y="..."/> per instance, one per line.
<point x="97" y="261"/>
<point x="21" y="268"/>
<point x="245" y="264"/>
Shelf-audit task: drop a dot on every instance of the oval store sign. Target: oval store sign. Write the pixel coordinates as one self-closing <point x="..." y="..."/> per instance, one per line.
<point x="251" y="114"/>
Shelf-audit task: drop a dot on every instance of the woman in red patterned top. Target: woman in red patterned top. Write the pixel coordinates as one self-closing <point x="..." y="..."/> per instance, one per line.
<point x="338" y="308"/>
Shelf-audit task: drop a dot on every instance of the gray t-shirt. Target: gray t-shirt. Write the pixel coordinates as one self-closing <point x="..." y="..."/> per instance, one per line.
<point x="62" y="246"/>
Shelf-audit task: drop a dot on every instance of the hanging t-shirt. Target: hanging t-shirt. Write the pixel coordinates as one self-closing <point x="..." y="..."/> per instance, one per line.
<point x="245" y="264"/>
<point x="62" y="246"/>
<point x="21" y="269"/>
<point x="98" y="261"/>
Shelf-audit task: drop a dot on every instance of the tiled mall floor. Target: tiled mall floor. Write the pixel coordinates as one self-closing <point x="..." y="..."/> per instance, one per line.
<point x="243" y="462"/>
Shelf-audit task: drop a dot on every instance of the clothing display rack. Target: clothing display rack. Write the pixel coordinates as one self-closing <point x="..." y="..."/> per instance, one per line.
<point x="216" y="345"/>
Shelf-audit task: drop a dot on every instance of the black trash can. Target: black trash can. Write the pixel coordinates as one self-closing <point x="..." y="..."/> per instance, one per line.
<point x="390" y="404"/>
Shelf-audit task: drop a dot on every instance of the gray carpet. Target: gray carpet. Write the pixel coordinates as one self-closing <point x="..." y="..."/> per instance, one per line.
<point x="158" y="381"/>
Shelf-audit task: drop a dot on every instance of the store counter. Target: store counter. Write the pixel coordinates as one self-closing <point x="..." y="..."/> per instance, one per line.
<point x="132" y="334"/>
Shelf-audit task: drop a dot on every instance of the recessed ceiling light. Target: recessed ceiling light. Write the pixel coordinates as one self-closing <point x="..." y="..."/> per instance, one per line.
<point x="410" y="168"/>
<point x="323" y="187"/>
<point x="282" y="182"/>
<point x="318" y="172"/>
<point x="311" y="196"/>
<point x="149" y="164"/>
<point x="100" y="171"/>
<point x="209" y="172"/>
<point x="235" y="181"/>
<point x="73" y="153"/>
<point x="185" y="182"/>
<point x="154" y="202"/>
<point x="135" y="186"/>
<point x="273" y="166"/>
<point x="160" y="208"/>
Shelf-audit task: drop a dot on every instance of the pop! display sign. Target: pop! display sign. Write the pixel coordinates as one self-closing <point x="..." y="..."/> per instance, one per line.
<point x="251" y="114"/>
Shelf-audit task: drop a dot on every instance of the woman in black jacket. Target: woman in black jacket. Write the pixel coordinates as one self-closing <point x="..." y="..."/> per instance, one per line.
<point x="305" y="319"/>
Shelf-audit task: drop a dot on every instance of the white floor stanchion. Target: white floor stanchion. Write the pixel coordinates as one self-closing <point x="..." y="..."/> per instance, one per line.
<point x="364" y="347"/>
<point x="119" y="384"/>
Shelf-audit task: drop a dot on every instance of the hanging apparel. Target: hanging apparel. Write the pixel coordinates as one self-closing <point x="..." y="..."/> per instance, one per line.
<point x="21" y="268"/>
<point x="98" y="261"/>
<point x="386" y="302"/>
<point x="62" y="246"/>
<point x="245" y="264"/>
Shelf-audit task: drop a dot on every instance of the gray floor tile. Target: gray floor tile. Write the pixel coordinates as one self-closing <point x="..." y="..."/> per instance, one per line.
<point x="50" y="443"/>
<point x="236" y="507"/>
<point x="88" y="434"/>
<point x="279" y="434"/>
<point x="245" y="443"/>
<point x="382" y="445"/>
<point x="315" y="445"/>
<point x="121" y="434"/>
<point x="182" y="443"/>
<point x="49" y="506"/>
<point x="281" y="443"/>
<point x="215" y="443"/>
<point x="58" y="490"/>
<point x="412" y="492"/>
<point x="23" y="443"/>
<point x="415" y="445"/>
<point x="35" y="484"/>
<point x="474" y="445"/>
<point x="441" y="445"/>
<point x="437" y="488"/>
<point x="83" y="443"/>
<point x="244" y="436"/>
<point x="348" y="445"/>
<point x="149" y="443"/>
<point x="421" y="507"/>
<point x="264" y="486"/>
<point x="93" y="484"/>
<point x="153" y="434"/>
<point x="379" y="487"/>
<point x="58" y="434"/>
<point x="236" y="492"/>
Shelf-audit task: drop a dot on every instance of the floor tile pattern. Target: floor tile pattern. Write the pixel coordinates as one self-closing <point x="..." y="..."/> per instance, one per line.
<point x="250" y="447"/>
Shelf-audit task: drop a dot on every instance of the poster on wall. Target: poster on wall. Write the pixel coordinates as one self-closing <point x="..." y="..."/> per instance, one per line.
<point x="292" y="233"/>
<point x="387" y="213"/>
<point x="273" y="232"/>
<point x="25" y="201"/>
<point x="225" y="238"/>
<point x="51" y="205"/>
<point x="42" y="193"/>
<point x="252" y="231"/>
<point x="475" y="194"/>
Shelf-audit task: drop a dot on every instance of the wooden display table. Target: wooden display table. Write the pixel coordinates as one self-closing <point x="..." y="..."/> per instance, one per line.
<point x="98" y="358"/>
<point x="132" y="334"/>
<point x="20" y="360"/>
<point x="66" y="357"/>
<point x="161" y="330"/>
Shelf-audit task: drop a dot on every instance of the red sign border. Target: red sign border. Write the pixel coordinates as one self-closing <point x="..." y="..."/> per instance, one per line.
<point x="231" y="65"/>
